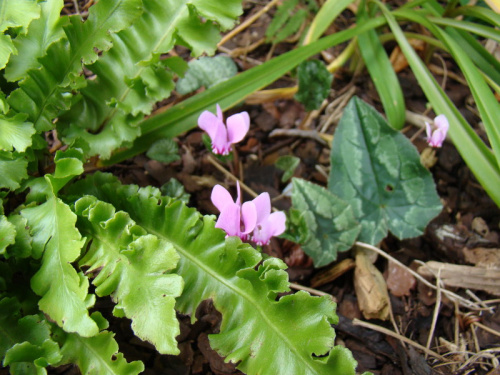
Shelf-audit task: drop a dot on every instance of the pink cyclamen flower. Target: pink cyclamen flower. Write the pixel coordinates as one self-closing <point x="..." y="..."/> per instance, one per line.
<point x="240" y="220"/>
<point x="223" y="136"/>
<point x="436" y="136"/>
<point x="235" y="219"/>
<point x="268" y="224"/>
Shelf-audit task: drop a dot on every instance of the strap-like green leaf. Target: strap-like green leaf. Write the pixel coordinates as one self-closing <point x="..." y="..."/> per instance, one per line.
<point x="330" y="222"/>
<point x="382" y="74"/>
<point x="134" y="268"/>
<point x="378" y="171"/>
<point x="64" y="292"/>
<point x="264" y="334"/>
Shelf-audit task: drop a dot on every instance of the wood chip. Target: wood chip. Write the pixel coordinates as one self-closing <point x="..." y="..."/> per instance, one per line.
<point x="467" y="277"/>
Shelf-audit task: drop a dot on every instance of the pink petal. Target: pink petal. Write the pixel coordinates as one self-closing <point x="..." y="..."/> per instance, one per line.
<point x="209" y="123"/>
<point x="237" y="127"/>
<point x="221" y="197"/>
<point x="229" y="219"/>
<point x="274" y="225"/>
<point x="248" y="216"/>
<point x="441" y="122"/>
<point x="428" y="130"/>
<point x="220" y="144"/>
<point x="219" y="114"/>
<point x="263" y="206"/>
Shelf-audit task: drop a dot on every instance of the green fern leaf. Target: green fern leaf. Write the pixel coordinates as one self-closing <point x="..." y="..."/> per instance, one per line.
<point x="41" y="34"/>
<point x="262" y="334"/>
<point x="64" y="292"/>
<point x="45" y="92"/>
<point x="14" y="14"/>
<point x="7" y="233"/>
<point x="131" y="78"/>
<point x="97" y="355"/>
<point x="15" y="132"/>
<point x="13" y="169"/>
<point x="133" y="267"/>
<point x="25" y="345"/>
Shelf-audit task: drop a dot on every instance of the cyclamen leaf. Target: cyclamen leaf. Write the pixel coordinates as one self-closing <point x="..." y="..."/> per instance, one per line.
<point x="378" y="172"/>
<point x="133" y="267"/>
<point x="330" y="221"/>
<point x="45" y="92"/>
<point x="64" y="292"/>
<point x="314" y="83"/>
<point x="41" y="34"/>
<point x="14" y="14"/>
<point x="15" y="133"/>
<point x="288" y="164"/>
<point x="206" y="71"/>
<point x="97" y="355"/>
<point x="164" y="150"/>
<point x="110" y="108"/>
<point x="26" y="345"/>
<point x="260" y="332"/>
<point x="13" y="169"/>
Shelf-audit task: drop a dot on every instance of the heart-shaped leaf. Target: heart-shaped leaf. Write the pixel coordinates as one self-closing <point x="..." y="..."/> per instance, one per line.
<point x="378" y="171"/>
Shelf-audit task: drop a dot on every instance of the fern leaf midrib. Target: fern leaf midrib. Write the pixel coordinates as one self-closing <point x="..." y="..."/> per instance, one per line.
<point x="76" y="55"/>
<point x="178" y="14"/>
<point x="183" y="252"/>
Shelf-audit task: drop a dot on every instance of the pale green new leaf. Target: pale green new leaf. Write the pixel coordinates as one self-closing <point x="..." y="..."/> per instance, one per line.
<point x="7" y="233"/>
<point x="330" y="221"/>
<point x="378" y="172"/>
<point x="131" y="78"/>
<point x="261" y="332"/>
<point x="14" y="14"/>
<point x="64" y="292"/>
<point x="15" y="132"/>
<point x="133" y="267"/>
<point x="42" y="32"/>
<point x="46" y="91"/>
<point x="25" y="345"/>
<point x="13" y="169"/>
<point x="96" y="355"/>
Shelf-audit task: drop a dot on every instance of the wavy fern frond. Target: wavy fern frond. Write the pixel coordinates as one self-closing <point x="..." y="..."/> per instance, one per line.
<point x="42" y="32"/>
<point x="64" y="292"/>
<point x="97" y="355"/>
<point x="46" y="91"/>
<point x="131" y="77"/>
<point x="264" y="334"/>
<point x="13" y="169"/>
<point x="133" y="267"/>
<point x="14" y="14"/>
<point x="26" y="344"/>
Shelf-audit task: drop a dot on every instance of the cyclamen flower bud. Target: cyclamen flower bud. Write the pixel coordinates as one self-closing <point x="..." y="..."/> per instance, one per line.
<point x="436" y="137"/>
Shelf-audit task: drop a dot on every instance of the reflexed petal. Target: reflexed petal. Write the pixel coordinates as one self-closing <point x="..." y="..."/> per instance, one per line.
<point x="229" y="219"/>
<point x="220" y="144"/>
<point x="237" y="127"/>
<point x="219" y="114"/>
<point x="248" y="217"/>
<point x="263" y="206"/>
<point x="441" y="122"/>
<point x="221" y="197"/>
<point x="428" y="130"/>
<point x="209" y="123"/>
